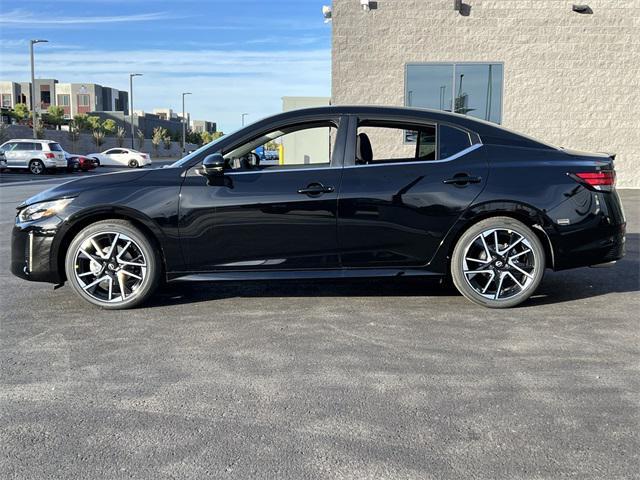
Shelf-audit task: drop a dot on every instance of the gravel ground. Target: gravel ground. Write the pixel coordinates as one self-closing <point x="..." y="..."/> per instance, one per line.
<point x="311" y="380"/>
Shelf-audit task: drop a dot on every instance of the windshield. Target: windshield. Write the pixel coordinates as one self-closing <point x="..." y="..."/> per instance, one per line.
<point x="195" y="153"/>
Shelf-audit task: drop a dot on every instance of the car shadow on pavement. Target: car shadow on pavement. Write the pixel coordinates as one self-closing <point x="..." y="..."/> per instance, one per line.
<point x="556" y="287"/>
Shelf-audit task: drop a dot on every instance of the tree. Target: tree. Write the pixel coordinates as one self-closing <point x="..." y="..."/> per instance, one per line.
<point x="21" y="112"/>
<point x="74" y="134"/>
<point x="3" y="133"/>
<point x="158" y="136"/>
<point x="98" y="137"/>
<point x="109" y="126"/>
<point x="120" y="136"/>
<point x="94" y="123"/>
<point x="82" y="121"/>
<point x="140" y="135"/>
<point x="56" y="115"/>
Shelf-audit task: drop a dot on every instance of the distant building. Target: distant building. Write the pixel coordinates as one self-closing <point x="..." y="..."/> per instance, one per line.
<point x="200" y="126"/>
<point x="74" y="98"/>
<point x="309" y="146"/>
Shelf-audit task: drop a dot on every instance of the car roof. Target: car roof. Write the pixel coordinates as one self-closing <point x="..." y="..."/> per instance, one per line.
<point x="30" y="140"/>
<point x="490" y="133"/>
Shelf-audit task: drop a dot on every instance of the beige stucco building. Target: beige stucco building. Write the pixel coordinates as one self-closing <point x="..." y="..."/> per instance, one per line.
<point x="571" y="78"/>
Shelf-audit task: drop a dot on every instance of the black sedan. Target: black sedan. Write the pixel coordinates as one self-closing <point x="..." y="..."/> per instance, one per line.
<point x="356" y="192"/>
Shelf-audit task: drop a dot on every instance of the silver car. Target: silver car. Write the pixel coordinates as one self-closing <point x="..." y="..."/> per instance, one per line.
<point x="35" y="155"/>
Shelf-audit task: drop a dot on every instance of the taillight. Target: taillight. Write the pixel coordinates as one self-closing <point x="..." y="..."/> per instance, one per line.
<point x="603" y="181"/>
<point x="49" y="155"/>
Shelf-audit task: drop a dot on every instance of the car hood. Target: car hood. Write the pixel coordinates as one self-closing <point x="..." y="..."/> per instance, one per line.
<point x="75" y="187"/>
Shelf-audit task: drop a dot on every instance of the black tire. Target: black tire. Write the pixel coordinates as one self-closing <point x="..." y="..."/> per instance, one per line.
<point x="150" y="257"/>
<point x="502" y="267"/>
<point x="97" y="161"/>
<point x="37" y="167"/>
<point x="133" y="163"/>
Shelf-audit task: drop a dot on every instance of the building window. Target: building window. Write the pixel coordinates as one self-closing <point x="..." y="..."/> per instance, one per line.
<point x="6" y="100"/>
<point x="84" y="100"/>
<point x="473" y="89"/>
<point x="64" y="100"/>
<point x="45" y="96"/>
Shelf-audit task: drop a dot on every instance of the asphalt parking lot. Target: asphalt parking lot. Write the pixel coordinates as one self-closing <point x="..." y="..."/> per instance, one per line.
<point x="376" y="379"/>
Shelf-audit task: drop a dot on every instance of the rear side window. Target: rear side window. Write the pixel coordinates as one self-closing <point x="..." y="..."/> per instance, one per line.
<point x="36" y="146"/>
<point x="380" y="142"/>
<point x="452" y="140"/>
<point x="55" y="147"/>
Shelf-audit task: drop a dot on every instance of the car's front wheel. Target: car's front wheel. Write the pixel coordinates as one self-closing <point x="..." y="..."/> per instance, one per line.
<point x="498" y="262"/>
<point x="112" y="264"/>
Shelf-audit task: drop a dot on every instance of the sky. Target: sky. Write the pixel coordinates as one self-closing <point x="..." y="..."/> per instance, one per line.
<point x="234" y="56"/>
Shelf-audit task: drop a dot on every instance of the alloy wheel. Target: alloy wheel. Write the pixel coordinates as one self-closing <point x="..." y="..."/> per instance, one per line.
<point x="499" y="264"/>
<point x="110" y="267"/>
<point x="36" y="167"/>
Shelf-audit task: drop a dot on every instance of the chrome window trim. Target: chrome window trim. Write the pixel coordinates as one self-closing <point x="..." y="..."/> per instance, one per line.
<point x="461" y="153"/>
<point x="278" y="170"/>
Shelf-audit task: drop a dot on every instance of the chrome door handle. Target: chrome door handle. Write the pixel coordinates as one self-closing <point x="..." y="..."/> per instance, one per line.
<point x="462" y="179"/>
<point x="315" y="189"/>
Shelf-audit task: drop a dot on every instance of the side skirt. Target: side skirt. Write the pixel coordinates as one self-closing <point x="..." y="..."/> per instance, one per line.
<point x="300" y="274"/>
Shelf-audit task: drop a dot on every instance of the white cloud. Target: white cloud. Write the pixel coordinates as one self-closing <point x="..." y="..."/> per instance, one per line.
<point x="17" y="18"/>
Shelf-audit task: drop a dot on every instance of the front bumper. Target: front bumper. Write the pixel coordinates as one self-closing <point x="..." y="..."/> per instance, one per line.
<point x="32" y="256"/>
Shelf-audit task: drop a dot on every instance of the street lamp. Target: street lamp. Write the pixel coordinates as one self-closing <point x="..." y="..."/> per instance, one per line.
<point x="184" y="124"/>
<point x="33" y="85"/>
<point x="244" y="115"/>
<point x="133" y="133"/>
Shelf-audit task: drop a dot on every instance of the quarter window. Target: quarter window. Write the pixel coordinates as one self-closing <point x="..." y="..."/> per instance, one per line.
<point x="452" y="140"/>
<point x="473" y="89"/>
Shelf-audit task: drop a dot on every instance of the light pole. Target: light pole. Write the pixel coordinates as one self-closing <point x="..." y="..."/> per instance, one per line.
<point x="184" y="125"/>
<point x="133" y="128"/>
<point x="33" y="86"/>
<point x="244" y="115"/>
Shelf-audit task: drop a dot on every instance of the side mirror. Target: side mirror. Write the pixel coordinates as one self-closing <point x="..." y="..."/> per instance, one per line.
<point x="213" y="165"/>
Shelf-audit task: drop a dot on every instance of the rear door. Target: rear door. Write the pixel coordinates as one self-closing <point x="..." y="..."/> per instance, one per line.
<point x="404" y="185"/>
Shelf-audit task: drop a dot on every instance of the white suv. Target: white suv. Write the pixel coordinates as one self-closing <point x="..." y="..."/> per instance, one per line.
<point x="36" y="155"/>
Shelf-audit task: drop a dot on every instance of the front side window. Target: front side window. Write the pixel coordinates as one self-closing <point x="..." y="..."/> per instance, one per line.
<point x="301" y="146"/>
<point x="473" y="89"/>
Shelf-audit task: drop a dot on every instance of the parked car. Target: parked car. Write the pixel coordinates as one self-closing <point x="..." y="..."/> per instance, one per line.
<point x="486" y="207"/>
<point x="36" y="155"/>
<point x="121" y="157"/>
<point x="80" y="162"/>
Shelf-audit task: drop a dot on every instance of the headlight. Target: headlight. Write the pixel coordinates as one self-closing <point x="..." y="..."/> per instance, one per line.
<point x="43" y="210"/>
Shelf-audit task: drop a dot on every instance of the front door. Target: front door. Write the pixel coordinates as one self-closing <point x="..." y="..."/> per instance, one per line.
<point x="403" y="188"/>
<point x="266" y="217"/>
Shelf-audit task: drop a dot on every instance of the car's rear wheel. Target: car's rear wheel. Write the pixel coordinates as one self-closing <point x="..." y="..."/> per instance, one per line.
<point x="112" y="264"/>
<point x="498" y="263"/>
<point x="36" y="167"/>
<point x="133" y="163"/>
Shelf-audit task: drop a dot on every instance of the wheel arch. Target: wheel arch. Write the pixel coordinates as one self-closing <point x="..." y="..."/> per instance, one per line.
<point x="85" y="218"/>
<point x="527" y="214"/>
